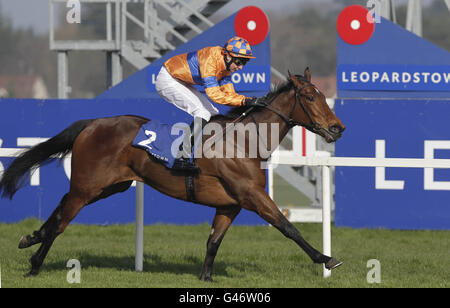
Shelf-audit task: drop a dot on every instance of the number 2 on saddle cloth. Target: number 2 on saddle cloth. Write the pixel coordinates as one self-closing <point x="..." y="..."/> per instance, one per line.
<point x="162" y="141"/>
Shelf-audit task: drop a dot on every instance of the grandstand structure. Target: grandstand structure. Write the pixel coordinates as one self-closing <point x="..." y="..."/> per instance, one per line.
<point x="159" y="34"/>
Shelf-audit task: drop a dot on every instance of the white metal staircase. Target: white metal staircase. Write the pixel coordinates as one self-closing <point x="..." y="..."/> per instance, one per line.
<point x="166" y="24"/>
<point x="163" y="25"/>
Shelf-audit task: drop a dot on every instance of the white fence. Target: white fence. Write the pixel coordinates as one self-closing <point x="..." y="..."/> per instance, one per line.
<point x="327" y="162"/>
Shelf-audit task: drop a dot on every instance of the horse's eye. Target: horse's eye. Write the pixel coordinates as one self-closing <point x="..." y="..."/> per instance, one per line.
<point x="310" y="98"/>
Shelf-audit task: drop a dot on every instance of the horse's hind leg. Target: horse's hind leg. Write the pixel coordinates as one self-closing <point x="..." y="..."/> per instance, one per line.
<point x="38" y="236"/>
<point x="68" y="208"/>
<point x="222" y="220"/>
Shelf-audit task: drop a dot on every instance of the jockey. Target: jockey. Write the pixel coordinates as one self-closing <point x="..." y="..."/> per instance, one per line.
<point x="210" y="67"/>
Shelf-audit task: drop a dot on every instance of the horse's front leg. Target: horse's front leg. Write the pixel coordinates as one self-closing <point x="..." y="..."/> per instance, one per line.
<point x="223" y="219"/>
<point x="257" y="200"/>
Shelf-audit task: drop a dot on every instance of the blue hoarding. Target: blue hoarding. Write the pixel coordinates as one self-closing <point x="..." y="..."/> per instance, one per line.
<point x="392" y="63"/>
<point x="370" y="77"/>
<point x="397" y="198"/>
<point x="394" y="98"/>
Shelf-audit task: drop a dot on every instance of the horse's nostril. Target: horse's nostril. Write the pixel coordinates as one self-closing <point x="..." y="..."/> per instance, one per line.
<point x="336" y="129"/>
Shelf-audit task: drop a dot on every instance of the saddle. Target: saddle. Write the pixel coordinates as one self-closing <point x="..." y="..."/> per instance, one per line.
<point x="157" y="139"/>
<point x="163" y="142"/>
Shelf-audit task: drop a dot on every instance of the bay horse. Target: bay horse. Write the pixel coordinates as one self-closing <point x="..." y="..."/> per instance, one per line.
<point x="101" y="169"/>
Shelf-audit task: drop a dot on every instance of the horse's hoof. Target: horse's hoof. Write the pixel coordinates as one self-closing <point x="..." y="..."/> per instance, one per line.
<point x="24" y="242"/>
<point x="32" y="273"/>
<point x="332" y="263"/>
<point x="206" y="278"/>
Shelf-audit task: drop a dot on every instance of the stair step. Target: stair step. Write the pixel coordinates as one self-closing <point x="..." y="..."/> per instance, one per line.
<point x="140" y="53"/>
<point x="134" y="57"/>
<point x="213" y="6"/>
<point x="210" y="8"/>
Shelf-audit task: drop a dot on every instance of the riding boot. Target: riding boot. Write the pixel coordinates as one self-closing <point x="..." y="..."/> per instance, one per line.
<point x="183" y="161"/>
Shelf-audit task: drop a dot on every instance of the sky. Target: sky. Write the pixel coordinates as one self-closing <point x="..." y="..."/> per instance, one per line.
<point x="35" y="13"/>
<point x="27" y="13"/>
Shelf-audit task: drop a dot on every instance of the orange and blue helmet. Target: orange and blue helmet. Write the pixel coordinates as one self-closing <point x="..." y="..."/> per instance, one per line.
<point x="238" y="47"/>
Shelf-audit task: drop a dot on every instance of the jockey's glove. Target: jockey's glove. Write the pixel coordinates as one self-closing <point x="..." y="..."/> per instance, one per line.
<point x="251" y="102"/>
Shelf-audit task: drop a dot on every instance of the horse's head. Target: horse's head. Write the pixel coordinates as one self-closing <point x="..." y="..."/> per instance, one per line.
<point x="312" y="111"/>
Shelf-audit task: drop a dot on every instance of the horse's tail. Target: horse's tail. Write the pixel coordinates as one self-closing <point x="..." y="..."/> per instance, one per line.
<point x="41" y="154"/>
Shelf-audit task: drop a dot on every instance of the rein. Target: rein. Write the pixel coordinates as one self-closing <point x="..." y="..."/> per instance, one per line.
<point x="313" y="126"/>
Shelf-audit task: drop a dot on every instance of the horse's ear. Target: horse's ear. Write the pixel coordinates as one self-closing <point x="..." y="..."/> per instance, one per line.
<point x="290" y="75"/>
<point x="307" y="74"/>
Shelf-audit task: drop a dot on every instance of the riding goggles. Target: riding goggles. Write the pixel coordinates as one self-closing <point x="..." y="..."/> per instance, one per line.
<point x="240" y="61"/>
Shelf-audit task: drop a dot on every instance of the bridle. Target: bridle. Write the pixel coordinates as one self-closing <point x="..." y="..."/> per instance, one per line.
<point x="312" y="126"/>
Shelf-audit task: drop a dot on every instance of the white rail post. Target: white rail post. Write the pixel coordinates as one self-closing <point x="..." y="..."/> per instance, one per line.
<point x="139" y="248"/>
<point x="326" y="216"/>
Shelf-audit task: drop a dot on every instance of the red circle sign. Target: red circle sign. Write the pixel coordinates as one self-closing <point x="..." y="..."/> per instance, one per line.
<point x="355" y="24"/>
<point x="252" y="24"/>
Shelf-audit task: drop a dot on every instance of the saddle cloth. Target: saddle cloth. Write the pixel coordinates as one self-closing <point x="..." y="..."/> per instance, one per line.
<point x="160" y="140"/>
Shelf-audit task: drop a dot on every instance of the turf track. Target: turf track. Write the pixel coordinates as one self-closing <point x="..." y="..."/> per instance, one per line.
<point x="250" y="257"/>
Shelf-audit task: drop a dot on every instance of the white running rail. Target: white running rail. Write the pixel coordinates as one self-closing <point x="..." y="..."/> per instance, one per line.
<point x="327" y="162"/>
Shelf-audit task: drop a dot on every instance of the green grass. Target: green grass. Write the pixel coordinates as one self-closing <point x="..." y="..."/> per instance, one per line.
<point x="249" y="257"/>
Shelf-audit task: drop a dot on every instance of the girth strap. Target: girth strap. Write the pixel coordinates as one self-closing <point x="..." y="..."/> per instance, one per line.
<point x="190" y="188"/>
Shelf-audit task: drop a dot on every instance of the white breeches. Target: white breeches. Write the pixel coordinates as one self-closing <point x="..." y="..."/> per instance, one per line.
<point x="184" y="96"/>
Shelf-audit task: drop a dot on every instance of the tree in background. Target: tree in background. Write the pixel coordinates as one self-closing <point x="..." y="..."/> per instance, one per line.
<point x="22" y="52"/>
<point x="436" y="24"/>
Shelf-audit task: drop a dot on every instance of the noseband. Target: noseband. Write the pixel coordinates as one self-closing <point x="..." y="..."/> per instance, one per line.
<point x="312" y="126"/>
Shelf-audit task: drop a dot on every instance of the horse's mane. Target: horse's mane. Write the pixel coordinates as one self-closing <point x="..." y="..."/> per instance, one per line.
<point x="236" y="112"/>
